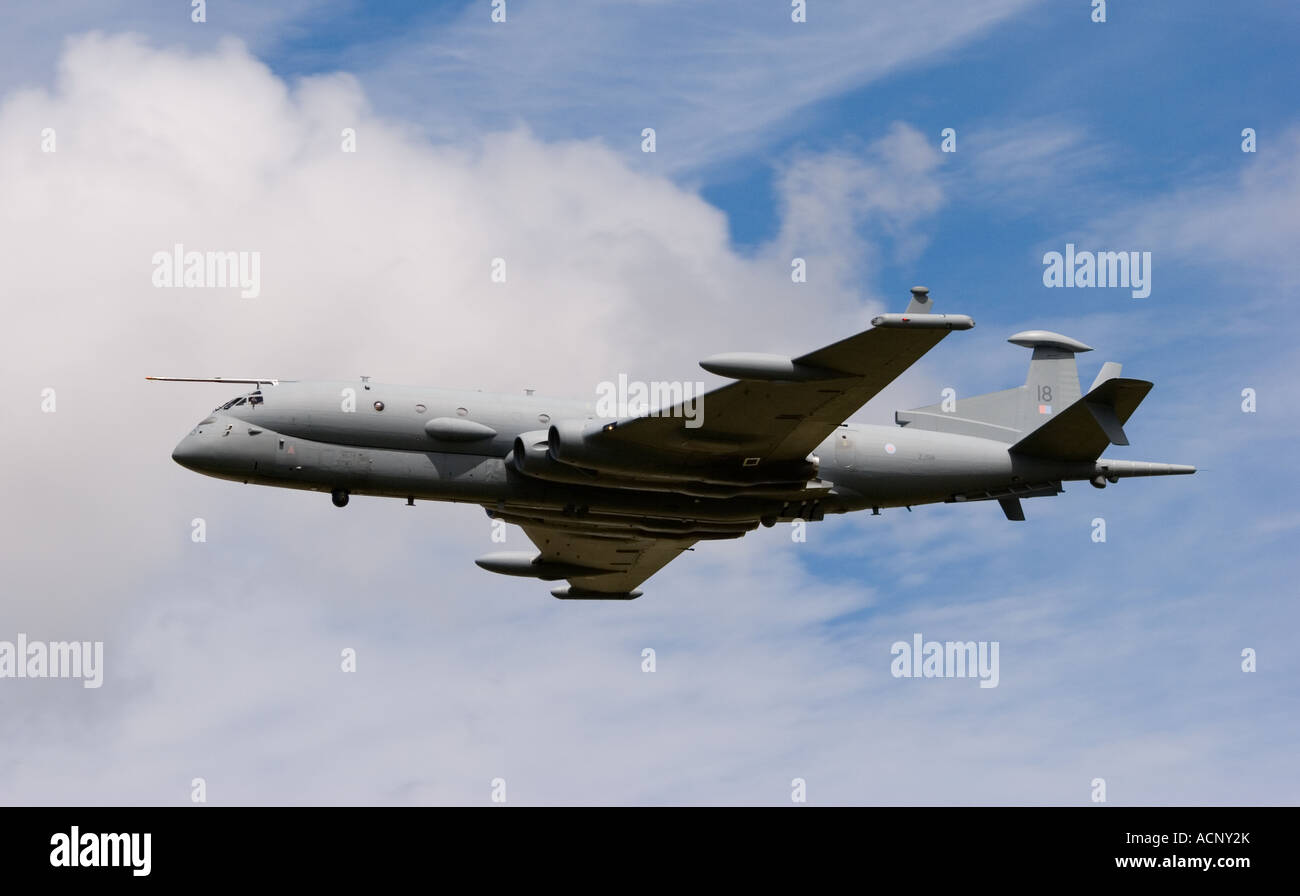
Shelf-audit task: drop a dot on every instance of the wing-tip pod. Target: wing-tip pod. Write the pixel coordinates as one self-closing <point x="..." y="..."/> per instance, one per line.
<point x="924" y="321"/>
<point x="524" y="563"/>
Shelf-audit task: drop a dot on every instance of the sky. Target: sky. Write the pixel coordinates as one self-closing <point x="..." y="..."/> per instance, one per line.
<point x="1120" y="660"/>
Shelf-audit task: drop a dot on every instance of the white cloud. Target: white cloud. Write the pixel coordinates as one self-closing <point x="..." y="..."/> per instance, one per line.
<point x="890" y="188"/>
<point x="713" y="79"/>
<point x="1030" y="165"/>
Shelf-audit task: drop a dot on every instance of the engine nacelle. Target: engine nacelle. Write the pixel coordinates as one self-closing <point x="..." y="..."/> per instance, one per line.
<point x="530" y="455"/>
<point x="568" y="442"/>
<point x="577" y="443"/>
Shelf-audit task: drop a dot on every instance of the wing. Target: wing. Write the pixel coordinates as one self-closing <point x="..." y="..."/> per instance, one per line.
<point x="781" y="409"/>
<point x="778" y="412"/>
<point x="618" y="562"/>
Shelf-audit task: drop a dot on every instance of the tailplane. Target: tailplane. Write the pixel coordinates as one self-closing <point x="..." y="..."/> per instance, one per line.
<point x="1089" y="425"/>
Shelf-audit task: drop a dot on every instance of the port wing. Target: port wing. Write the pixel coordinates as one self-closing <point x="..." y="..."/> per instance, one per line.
<point x="780" y="409"/>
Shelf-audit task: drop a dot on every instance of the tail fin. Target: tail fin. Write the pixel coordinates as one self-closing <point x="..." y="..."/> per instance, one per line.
<point x="1053" y="381"/>
<point x="1052" y="385"/>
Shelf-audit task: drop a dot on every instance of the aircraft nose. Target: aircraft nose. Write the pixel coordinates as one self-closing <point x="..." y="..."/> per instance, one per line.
<point x="188" y="452"/>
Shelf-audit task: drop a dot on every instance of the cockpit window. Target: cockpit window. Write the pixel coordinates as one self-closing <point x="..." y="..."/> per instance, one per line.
<point x="255" y="398"/>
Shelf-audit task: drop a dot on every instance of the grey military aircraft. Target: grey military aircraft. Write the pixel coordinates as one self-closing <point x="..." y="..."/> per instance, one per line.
<point x="609" y="502"/>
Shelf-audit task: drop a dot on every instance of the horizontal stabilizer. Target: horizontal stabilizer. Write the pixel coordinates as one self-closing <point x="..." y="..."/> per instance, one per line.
<point x="1083" y="430"/>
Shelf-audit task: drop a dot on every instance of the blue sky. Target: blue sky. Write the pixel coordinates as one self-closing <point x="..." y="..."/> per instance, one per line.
<point x="1119" y="660"/>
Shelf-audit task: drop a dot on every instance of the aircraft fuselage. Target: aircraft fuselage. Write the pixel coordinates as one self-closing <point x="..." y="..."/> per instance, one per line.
<point x="447" y="445"/>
